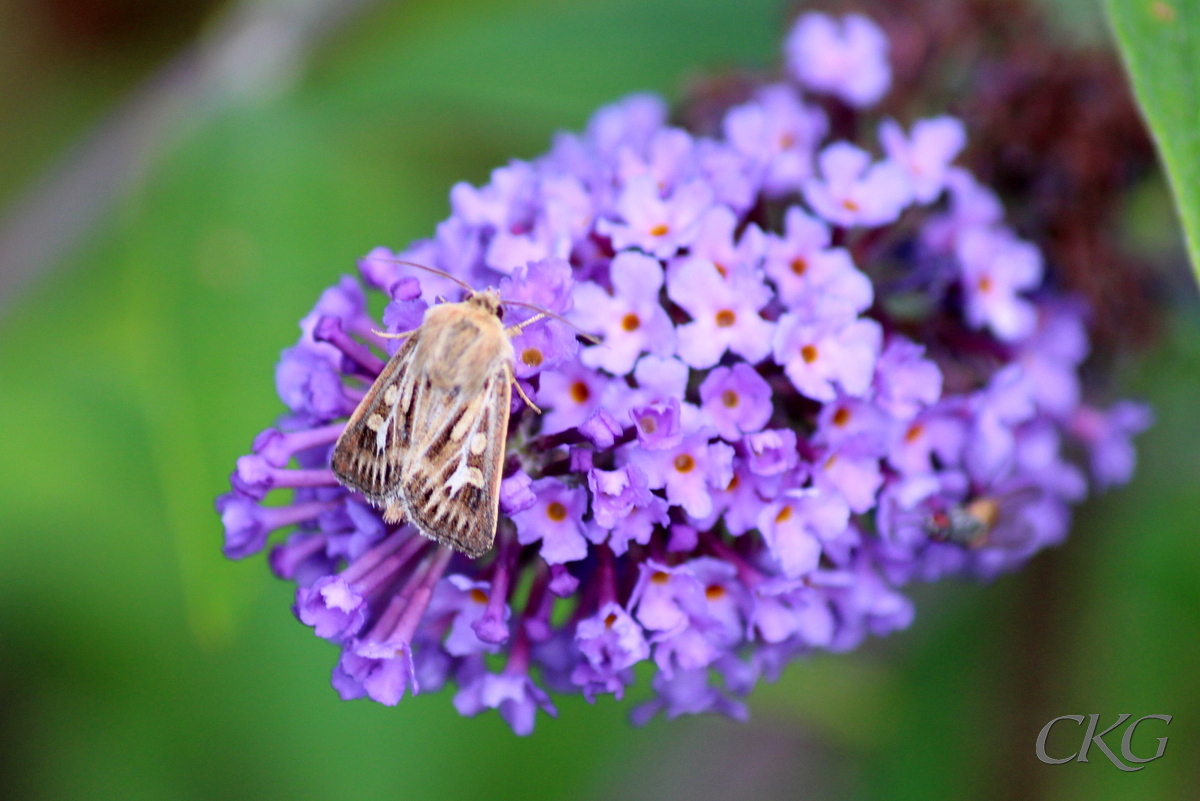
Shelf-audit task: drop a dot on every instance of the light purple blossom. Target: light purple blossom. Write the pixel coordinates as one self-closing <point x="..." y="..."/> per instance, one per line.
<point x="852" y="191"/>
<point x="737" y="400"/>
<point x="818" y="357"/>
<point x="846" y="58"/>
<point x="814" y="279"/>
<point x="925" y="155"/>
<point x="631" y="320"/>
<point x="724" y="311"/>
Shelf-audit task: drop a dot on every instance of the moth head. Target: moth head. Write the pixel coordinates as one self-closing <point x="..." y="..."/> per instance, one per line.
<point x="488" y="300"/>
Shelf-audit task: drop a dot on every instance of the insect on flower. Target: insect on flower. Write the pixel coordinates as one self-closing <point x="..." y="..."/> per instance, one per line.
<point x="426" y="443"/>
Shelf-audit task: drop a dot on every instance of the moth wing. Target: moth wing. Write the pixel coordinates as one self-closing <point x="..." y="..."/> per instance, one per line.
<point x="370" y="452"/>
<point x="451" y="483"/>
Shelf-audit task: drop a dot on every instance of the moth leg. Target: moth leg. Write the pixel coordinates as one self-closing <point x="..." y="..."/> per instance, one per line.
<point x="400" y="335"/>
<point x="393" y="513"/>
<point x="525" y="397"/>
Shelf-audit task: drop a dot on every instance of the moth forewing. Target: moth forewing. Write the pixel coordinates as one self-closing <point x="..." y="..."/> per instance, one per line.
<point x="368" y="454"/>
<point x="429" y="437"/>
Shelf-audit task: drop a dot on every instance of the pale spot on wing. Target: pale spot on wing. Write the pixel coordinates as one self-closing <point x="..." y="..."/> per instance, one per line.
<point x="479" y="443"/>
<point x="391" y="394"/>
<point x="381" y="435"/>
<point x="464" y="422"/>
<point x="375" y="422"/>
<point x="465" y="474"/>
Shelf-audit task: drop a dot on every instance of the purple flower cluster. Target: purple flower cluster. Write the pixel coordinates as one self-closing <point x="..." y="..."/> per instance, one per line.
<point x="775" y="426"/>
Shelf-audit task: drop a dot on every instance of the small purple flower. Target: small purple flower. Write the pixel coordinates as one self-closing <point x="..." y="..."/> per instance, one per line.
<point x="659" y="226"/>
<point x="737" y="400"/>
<point x="778" y="134"/>
<point x="571" y="394"/>
<point x="846" y="58"/>
<point x="905" y="381"/>
<point x="795" y="525"/>
<point x="1109" y="436"/>
<point x="926" y="154"/>
<point x="556" y="519"/>
<point x="817" y="357"/>
<point x="996" y="266"/>
<point x="611" y="642"/>
<point x="851" y="191"/>
<point x="631" y="320"/>
<point x="724" y="313"/>
<point x="814" y="279"/>
<point x="687" y="471"/>
<point x="771" y="452"/>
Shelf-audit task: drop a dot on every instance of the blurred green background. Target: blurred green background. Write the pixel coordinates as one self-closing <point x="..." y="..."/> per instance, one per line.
<point x="135" y="662"/>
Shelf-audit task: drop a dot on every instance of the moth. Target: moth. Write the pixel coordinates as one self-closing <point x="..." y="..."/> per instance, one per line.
<point x="427" y="442"/>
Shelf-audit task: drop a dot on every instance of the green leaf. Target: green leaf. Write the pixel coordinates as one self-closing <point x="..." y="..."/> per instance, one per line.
<point x="1160" y="43"/>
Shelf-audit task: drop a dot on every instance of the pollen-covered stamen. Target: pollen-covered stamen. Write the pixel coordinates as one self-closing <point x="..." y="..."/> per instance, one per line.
<point x="255" y="477"/>
<point x="278" y="447"/>
<point x="329" y="329"/>
<point x="532" y="357"/>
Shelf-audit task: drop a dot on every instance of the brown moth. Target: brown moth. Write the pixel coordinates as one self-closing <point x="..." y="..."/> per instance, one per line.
<point x="427" y="442"/>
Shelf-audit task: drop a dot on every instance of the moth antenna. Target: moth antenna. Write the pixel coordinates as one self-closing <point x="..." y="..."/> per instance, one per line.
<point x="560" y="318"/>
<point x="435" y="271"/>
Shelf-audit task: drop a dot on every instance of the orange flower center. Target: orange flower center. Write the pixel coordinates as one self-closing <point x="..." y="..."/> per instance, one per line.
<point x="478" y="596"/>
<point x="726" y="318"/>
<point x="799" y="265"/>
<point x="849" y="205"/>
<point x="985" y="284"/>
<point x="785" y="514"/>
<point x="684" y="463"/>
<point x="662" y="229"/>
<point x="556" y="512"/>
<point x="631" y="322"/>
<point x="531" y="357"/>
<point x="648" y="424"/>
<point x="729" y="399"/>
<point x="809" y="353"/>
<point x="841" y="416"/>
<point x="714" y="592"/>
<point x="580" y="392"/>
<point x="610" y="619"/>
<point x="660" y="578"/>
<point x="914" y="433"/>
